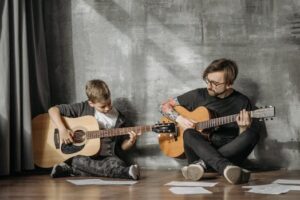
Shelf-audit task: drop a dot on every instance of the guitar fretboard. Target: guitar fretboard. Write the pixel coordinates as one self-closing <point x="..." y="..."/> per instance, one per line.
<point x="117" y="131"/>
<point x="217" y="121"/>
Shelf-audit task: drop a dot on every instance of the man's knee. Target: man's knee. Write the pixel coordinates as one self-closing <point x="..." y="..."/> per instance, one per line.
<point x="187" y="133"/>
<point x="252" y="136"/>
<point x="191" y="134"/>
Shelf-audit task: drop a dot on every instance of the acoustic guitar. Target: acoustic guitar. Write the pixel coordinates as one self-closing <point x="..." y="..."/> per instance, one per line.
<point x="172" y="145"/>
<point x="48" y="149"/>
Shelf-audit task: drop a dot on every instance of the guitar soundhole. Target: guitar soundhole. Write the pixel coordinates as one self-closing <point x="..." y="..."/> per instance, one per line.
<point x="78" y="143"/>
<point x="79" y="136"/>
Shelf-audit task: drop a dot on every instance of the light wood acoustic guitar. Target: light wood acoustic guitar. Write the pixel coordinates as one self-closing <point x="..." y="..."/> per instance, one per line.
<point x="49" y="150"/>
<point x="172" y="145"/>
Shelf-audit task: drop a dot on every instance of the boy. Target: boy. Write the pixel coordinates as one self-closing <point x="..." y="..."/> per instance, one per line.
<point x="106" y="163"/>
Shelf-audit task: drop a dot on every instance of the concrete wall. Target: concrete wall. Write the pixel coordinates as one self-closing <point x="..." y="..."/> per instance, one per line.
<point x="150" y="50"/>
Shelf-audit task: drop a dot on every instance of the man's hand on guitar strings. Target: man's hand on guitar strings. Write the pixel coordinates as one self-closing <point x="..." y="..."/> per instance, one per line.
<point x="184" y="122"/>
<point x="243" y="120"/>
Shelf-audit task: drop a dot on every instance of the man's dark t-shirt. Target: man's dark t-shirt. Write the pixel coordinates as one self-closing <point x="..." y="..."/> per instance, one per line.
<point x="221" y="107"/>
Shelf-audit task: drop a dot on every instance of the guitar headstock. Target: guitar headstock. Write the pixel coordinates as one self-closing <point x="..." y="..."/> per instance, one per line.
<point x="267" y="112"/>
<point x="164" y="128"/>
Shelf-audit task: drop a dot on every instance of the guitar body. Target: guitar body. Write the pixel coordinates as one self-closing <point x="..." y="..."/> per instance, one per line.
<point x="173" y="146"/>
<point x="47" y="147"/>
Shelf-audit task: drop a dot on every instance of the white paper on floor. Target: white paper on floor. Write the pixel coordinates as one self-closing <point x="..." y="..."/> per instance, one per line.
<point x="273" y="188"/>
<point x="100" y="182"/>
<point x="190" y="183"/>
<point x="268" y="189"/>
<point x="189" y="190"/>
<point x="287" y="181"/>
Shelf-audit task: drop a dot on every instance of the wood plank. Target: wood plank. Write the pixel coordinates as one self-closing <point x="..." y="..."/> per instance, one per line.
<point x="150" y="187"/>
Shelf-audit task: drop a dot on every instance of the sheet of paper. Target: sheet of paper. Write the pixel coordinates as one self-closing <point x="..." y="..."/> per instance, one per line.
<point x="294" y="187"/>
<point x="269" y="189"/>
<point x="259" y="186"/>
<point x="100" y="182"/>
<point x="119" y="182"/>
<point x="190" y="183"/>
<point x="189" y="190"/>
<point x="85" y="181"/>
<point x="287" y="181"/>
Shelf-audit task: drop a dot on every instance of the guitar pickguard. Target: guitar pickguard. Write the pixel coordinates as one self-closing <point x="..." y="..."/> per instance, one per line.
<point x="70" y="148"/>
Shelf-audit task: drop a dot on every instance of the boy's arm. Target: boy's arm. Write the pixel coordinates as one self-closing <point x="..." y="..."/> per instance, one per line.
<point x="64" y="133"/>
<point x="128" y="143"/>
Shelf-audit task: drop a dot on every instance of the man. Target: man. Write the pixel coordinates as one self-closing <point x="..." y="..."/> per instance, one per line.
<point x="230" y="144"/>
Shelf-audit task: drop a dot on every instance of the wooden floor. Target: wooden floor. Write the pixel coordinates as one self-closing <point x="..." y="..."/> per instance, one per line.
<point x="150" y="187"/>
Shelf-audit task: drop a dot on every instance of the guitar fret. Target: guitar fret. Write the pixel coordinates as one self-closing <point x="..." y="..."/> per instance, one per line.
<point x="116" y="131"/>
<point x="216" y="122"/>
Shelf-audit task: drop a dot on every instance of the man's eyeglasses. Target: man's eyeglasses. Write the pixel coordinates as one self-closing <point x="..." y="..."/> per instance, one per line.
<point x="213" y="83"/>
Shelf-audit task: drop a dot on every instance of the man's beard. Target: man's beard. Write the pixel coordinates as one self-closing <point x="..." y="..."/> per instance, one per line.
<point x="214" y="93"/>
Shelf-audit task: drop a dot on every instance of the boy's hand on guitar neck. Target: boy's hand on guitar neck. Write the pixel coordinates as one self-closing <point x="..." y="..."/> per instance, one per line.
<point x="66" y="136"/>
<point x="133" y="136"/>
<point x="244" y="120"/>
<point x="127" y="144"/>
<point x="184" y="122"/>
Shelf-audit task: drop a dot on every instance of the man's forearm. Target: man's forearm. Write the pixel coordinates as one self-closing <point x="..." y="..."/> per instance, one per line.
<point x="167" y="109"/>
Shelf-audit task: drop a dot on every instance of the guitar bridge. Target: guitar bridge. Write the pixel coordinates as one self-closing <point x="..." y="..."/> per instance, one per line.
<point x="56" y="139"/>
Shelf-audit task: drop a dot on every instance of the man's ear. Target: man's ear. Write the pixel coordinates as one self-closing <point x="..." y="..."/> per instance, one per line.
<point x="91" y="103"/>
<point x="228" y="86"/>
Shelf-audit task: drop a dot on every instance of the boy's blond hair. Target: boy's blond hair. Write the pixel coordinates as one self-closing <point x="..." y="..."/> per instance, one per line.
<point x="97" y="91"/>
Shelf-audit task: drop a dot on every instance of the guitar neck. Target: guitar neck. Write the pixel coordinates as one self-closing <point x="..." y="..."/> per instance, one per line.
<point x="116" y="132"/>
<point x="217" y="121"/>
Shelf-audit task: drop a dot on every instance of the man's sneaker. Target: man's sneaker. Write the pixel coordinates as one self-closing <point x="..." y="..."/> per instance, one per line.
<point x="236" y="175"/>
<point x="61" y="170"/>
<point x="195" y="172"/>
<point x="184" y="172"/>
<point x="134" y="172"/>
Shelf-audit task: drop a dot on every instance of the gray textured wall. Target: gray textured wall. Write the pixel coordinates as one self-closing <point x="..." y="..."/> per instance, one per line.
<point x="150" y="50"/>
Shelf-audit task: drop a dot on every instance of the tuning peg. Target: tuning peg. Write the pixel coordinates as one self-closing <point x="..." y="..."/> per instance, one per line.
<point x="170" y="135"/>
<point x="158" y="135"/>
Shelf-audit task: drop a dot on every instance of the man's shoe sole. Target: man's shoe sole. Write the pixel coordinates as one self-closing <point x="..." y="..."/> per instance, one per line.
<point x="236" y="175"/>
<point x="195" y="172"/>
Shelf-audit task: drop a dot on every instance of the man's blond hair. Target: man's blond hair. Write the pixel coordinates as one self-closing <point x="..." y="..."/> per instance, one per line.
<point x="97" y="91"/>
